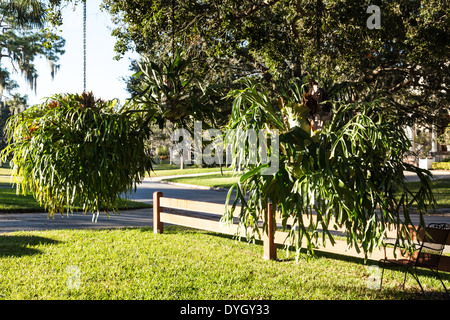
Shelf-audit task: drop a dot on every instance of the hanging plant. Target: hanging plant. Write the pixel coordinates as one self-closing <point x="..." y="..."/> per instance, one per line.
<point x="350" y="174"/>
<point x="77" y="151"/>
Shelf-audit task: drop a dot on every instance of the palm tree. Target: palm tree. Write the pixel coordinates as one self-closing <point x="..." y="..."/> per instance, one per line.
<point x="23" y="13"/>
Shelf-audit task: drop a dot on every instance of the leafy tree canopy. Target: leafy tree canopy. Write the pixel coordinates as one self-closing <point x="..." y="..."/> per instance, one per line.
<point x="168" y="91"/>
<point x="14" y="104"/>
<point x="406" y="59"/>
<point x="350" y="172"/>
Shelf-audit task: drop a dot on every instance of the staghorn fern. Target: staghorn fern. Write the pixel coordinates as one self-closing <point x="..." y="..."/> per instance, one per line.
<point x="350" y="174"/>
<point x="77" y="151"/>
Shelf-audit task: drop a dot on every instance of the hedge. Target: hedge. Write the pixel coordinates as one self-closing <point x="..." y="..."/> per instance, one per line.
<point x="441" y="165"/>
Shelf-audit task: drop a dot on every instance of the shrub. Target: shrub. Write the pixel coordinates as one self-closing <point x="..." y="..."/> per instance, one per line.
<point x="444" y="165"/>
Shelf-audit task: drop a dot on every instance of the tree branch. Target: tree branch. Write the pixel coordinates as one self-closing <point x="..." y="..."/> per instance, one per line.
<point x="264" y="4"/>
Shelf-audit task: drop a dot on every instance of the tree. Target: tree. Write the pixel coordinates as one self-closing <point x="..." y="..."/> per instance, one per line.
<point x="205" y="30"/>
<point x="406" y="60"/>
<point x="13" y="105"/>
<point x="444" y="138"/>
<point x="22" y="38"/>
<point x="168" y="91"/>
<point x="350" y="171"/>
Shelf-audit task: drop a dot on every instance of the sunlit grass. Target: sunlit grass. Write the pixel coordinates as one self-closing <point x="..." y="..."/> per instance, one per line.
<point x="214" y="180"/>
<point x="441" y="191"/>
<point x="12" y="202"/>
<point x="161" y="170"/>
<point x="179" y="264"/>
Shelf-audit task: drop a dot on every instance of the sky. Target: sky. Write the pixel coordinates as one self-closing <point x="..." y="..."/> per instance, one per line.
<point x="104" y="74"/>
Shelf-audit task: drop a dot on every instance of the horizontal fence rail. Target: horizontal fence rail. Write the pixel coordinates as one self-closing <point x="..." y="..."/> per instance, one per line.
<point x="163" y="206"/>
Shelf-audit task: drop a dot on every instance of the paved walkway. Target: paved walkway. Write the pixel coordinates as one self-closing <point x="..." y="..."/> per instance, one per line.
<point x="129" y="218"/>
<point x="141" y="217"/>
<point x="438" y="174"/>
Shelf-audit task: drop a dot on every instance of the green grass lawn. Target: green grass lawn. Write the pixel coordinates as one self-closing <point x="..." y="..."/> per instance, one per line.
<point x="10" y="202"/>
<point x="441" y="191"/>
<point x="180" y="264"/>
<point x="211" y="180"/>
<point x="161" y="170"/>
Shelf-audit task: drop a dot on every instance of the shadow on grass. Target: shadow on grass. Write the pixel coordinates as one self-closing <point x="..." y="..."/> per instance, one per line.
<point x="17" y="245"/>
<point x="317" y="254"/>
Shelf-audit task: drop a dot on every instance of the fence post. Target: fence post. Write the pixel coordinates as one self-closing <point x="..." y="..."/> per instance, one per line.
<point x="270" y="248"/>
<point x="158" y="226"/>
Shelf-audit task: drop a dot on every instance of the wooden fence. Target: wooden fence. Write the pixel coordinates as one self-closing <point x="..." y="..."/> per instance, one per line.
<point x="161" y="214"/>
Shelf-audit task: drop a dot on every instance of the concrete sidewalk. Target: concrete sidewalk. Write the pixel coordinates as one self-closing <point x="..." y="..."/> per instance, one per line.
<point x="39" y="221"/>
<point x="437" y="174"/>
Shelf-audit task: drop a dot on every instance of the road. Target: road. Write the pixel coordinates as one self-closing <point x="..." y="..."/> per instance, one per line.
<point x="131" y="218"/>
